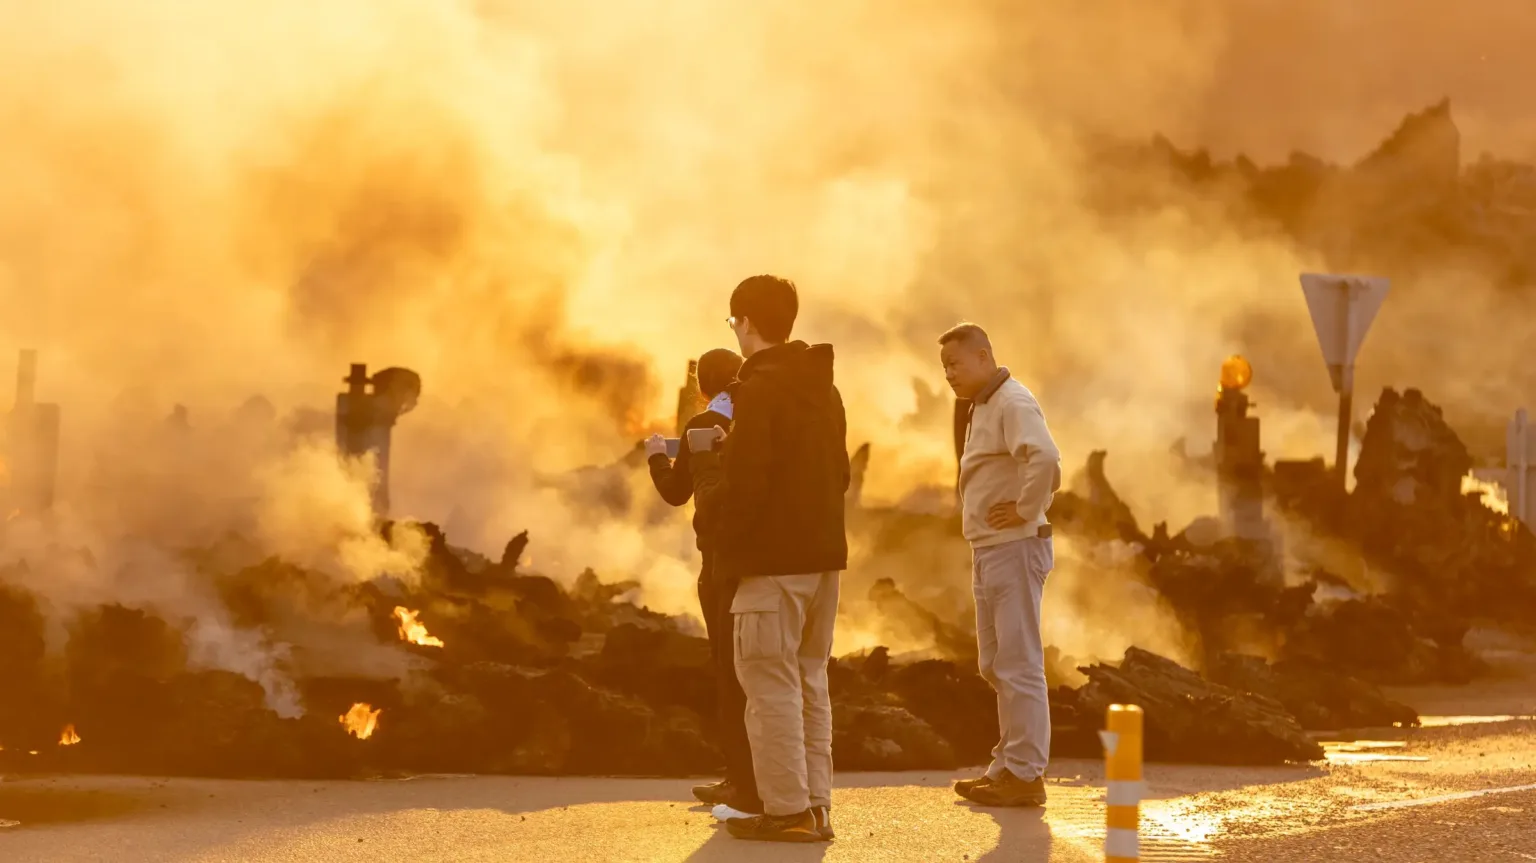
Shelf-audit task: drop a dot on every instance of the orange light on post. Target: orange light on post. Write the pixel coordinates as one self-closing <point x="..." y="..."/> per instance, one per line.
<point x="1236" y="373"/>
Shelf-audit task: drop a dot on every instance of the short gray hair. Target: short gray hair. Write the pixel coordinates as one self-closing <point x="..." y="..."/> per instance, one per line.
<point x="966" y="334"/>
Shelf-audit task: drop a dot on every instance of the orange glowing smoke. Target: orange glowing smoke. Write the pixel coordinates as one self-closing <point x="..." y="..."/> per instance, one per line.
<point x="68" y="737"/>
<point x="361" y="721"/>
<point x="413" y="630"/>
<point x="637" y="424"/>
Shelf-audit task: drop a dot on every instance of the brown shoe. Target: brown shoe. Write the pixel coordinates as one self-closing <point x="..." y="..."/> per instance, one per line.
<point x="823" y="816"/>
<point x="776" y="828"/>
<point x="966" y="786"/>
<point x="1009" y="790"/>
<point x="714" y="793"/>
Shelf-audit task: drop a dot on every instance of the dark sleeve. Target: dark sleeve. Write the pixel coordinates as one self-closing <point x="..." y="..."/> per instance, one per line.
<point x="673" y="478"/>
<point x="841" y="419"/>
<point x="726" y="485"/>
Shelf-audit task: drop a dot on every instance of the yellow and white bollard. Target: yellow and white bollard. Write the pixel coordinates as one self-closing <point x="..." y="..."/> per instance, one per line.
<point x="1122" y="774"/>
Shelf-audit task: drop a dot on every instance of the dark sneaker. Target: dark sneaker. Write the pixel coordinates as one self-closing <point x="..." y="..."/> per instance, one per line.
<point x="714" y="793"/>
<point x="776" y="828"/>
<point x="741" y="801"/>
<point x="964" y="786"/>
<point x="823" y="816"/>
<point x="1009" y="790"/>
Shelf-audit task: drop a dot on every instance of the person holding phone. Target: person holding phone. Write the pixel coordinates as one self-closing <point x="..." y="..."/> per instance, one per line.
<point x="772" y="490"/>
<point x="674" y="482"/>
<point x="1009" y="471"/>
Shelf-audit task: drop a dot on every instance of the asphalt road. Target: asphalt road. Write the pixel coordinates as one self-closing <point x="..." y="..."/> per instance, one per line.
<point x="1373" y="803"/>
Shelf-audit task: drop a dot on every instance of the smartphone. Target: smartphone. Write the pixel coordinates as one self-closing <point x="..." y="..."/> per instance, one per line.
<point x="673" y="443"/>
<point x="702" y="440"/>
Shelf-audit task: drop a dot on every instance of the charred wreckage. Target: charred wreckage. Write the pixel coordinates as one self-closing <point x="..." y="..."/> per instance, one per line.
<point x="513" y="672"/>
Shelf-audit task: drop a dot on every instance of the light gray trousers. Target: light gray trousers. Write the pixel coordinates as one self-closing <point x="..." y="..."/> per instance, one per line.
<point x="1008" y="581"/>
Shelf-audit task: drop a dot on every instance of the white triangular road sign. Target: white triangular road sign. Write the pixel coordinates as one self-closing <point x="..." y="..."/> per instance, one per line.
<point x="1111" y="740"/>
<point x="1343" y="309"/>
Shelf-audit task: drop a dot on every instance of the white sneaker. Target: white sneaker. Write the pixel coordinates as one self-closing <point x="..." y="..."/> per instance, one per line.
<point x="722" y="812"/>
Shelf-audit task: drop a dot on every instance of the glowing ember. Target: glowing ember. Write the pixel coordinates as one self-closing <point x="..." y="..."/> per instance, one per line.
<point x="69" y="737"/>
<point x="412" y="629"/>
<point x="361" y="721"/>
<point x="1491" y="493"/>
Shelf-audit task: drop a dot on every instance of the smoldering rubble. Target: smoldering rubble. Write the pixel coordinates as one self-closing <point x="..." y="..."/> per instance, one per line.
<point x="504" y="670"/>
<point x="487" y="665"/>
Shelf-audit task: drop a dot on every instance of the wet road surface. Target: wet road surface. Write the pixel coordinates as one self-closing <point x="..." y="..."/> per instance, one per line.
<point x="1459" y="792"/>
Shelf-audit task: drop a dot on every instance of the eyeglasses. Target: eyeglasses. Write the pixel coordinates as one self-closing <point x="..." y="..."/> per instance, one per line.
<point x="732" y="321"/>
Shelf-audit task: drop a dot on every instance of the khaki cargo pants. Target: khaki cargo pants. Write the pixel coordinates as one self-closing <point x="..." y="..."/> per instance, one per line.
<point x="783" y="636"/>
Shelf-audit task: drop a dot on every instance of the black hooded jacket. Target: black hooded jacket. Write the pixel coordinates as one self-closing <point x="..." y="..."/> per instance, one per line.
<point x="772" y="498"/>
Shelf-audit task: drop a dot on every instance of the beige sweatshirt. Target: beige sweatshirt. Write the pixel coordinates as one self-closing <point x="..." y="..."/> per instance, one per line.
<point x="1008" y="456"/>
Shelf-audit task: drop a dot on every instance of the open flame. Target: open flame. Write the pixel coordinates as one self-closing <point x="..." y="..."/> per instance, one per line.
<point x="1490" y="492"/>
<point x="69" y="737"/>
<point x="413" y="630"/>
<point x="361" y="721"/>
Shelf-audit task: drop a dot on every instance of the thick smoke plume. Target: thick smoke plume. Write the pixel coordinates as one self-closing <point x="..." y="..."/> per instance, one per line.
<point x="542" y="207"/>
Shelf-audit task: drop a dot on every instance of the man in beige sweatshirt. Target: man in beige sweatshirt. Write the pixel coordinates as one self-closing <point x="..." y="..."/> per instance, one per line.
<point x="1009" y="470"/>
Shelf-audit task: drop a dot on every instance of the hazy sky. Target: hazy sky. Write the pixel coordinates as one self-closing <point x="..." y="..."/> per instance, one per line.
<point x="1331" y="76"/>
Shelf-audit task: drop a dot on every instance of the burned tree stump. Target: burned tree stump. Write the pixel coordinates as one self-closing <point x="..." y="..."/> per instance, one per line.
<point x="1191" y="719"/>
<point x="1318" y="696"/>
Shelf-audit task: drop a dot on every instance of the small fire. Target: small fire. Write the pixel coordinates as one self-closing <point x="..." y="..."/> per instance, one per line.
<point x="1489" y="492"/>
<point x="413" y="630"/>
<point x="361" y="721"/>
<point x="69" y="737"/>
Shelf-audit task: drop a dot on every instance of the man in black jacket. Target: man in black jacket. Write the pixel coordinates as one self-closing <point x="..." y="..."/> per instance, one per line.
<point x="674" y="481"/>
<point x="773" y="495"/>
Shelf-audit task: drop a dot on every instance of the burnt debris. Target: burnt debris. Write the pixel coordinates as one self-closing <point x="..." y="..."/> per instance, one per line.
<point x="487" y="666"/>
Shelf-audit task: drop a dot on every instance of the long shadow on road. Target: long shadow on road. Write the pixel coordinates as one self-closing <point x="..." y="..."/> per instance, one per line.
<point x="469" y="819"/>
<point x="1024" y="836"/>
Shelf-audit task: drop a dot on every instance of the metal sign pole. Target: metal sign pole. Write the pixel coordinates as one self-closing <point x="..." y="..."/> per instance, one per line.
<point x="1341" y="453"/>
<point x="1345" y="386"/>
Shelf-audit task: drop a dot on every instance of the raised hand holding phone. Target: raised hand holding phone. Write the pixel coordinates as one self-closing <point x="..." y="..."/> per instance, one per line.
<point x="656" y="445"/>
<point x="703" y="440"/>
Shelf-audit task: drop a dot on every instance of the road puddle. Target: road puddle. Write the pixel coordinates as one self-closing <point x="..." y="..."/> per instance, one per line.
<point x="1366" y="751"/>
<point x="1457" y="721"/>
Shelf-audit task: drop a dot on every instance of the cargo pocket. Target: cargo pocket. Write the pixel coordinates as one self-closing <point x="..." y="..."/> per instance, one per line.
<point x="755" y="615"/>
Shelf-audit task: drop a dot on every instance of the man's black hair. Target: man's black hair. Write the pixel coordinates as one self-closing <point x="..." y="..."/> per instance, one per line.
<point x="717" y="368"/>
<point x="770" y="303"/>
